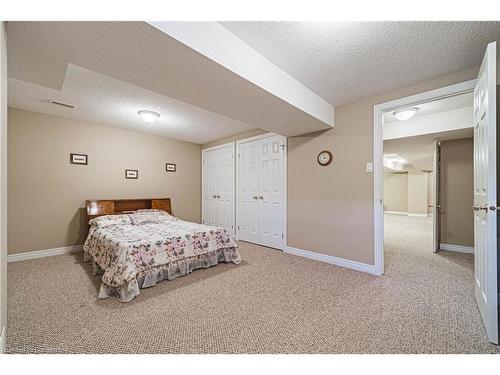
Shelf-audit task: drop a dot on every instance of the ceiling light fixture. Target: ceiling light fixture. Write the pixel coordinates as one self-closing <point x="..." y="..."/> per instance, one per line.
<point x="405" y="114"/>
<point x="395" y="162"/>
<point x="149" y="117"/>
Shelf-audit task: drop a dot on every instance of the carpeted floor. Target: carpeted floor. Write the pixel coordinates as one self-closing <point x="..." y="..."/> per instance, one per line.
<point x="271" y="303"/>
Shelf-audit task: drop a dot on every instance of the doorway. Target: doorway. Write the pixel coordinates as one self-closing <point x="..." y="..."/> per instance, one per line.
<point x="485" y="205"/>
<point x="428" y="177"/>
<point x="395" y="133"/>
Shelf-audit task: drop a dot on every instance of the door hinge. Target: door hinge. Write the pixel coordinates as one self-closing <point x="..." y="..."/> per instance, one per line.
<point x="238" y="227"/>
<point x="282" y="235"/>
<point x="283" y="147"/>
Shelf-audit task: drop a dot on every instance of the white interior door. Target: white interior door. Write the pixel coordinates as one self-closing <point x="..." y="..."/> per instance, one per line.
<point x="219" y="187"/>
<point x="210" y="187"/>
<point x="271" y="191"/>
<point x="485" y="197"/>
<point x="225" y="200"/>
<point x="436" y="201"/>
<point x="248" y="192"/>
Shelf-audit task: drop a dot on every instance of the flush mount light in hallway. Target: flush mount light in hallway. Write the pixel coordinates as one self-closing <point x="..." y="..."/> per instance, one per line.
<point x="149" y="117"/>
<point x="395" y="162"/>
<point x="405" y="114"/>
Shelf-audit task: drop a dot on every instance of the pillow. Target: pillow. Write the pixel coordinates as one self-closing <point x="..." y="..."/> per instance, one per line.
<point x="150" y="216"/>
<point x="152" y="210"/>
<point x="108" y="220"/>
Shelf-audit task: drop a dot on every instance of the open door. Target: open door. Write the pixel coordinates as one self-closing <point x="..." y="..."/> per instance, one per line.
<point x="436" y="204"/>
<point x="485" y="193"/>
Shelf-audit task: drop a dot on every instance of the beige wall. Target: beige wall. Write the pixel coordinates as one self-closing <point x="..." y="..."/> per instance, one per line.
<point x="330" y="209"/>
<point x="457" y="189"/>
<point x="407" y="192"/>
<point x="395" y="192"/>
<point x="417" y="192"/>
<point x="46" y="193"/>
<point x="3" y="180"/>
<point x="236" y="137"/>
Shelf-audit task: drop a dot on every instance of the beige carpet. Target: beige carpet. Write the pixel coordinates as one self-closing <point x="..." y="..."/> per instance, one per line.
<point x="271" y="303"/>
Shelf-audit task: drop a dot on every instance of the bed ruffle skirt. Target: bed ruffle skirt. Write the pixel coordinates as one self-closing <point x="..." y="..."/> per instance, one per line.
<point x="170" y="271"/>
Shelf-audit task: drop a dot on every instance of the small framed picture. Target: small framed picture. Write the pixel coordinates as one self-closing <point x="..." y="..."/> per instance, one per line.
<point x="81" y="159"/>
<point x="132" y="174"/>
<point x="171" y="167"/>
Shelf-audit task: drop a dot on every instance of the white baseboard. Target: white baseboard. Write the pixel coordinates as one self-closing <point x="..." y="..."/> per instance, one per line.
<point x="396" y="213"/>
<point x="43" y="253"/>
<point x="457" y="248"/>
<point x="406" y="214"/>
<point x="341" y="262"/>
<point x="3" y="335"/>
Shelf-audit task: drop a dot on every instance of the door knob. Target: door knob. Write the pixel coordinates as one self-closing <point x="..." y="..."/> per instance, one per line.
<point x="477" y="207"/>
<point x="261" y="197"/>
<point x="494" y="208"/>
<point x="432" y="206"/>
<point x="214" y="196"/>
<point x="254" y="197"/>
<point x="218" y="196"/>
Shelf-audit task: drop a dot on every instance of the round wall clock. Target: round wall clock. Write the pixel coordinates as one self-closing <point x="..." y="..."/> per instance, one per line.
<point x="325" y="158"/>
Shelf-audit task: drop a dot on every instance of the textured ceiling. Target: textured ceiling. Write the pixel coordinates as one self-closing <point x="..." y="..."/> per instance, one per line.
<point x="442" y="105"/>
<point x="138" y="65"/>
<point x="140" y="55"/>
<point x="104" y="100"/>
<point x="347" y="61"/>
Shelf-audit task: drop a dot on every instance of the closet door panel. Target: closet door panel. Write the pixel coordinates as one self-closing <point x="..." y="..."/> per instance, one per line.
<point x="219" y="188"/>
<point x="271" y="192"/>
<point x="206" y="187"/>
<point x="225" y="195"/>
<point x="248" y="203"/>
<point x="210" y="188"/>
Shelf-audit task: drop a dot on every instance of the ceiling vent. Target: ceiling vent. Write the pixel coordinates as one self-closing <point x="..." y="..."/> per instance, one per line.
<point x="67" y="105"/>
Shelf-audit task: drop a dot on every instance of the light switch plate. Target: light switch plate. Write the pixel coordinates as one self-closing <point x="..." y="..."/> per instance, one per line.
<point x="369" y="167"/>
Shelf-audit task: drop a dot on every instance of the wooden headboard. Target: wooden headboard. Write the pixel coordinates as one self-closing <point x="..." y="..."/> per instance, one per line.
<point x="97" y="208"/>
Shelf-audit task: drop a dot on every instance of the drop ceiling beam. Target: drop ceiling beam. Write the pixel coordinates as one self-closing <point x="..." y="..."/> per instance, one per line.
<point x="217" y="43"/>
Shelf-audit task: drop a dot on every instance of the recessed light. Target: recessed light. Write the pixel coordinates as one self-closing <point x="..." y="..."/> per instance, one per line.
<point x="149" y="117"/>
<point x="405" y="114"/>
<point x="395" y="162"/>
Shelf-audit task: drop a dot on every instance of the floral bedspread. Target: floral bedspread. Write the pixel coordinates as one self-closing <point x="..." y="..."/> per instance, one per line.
<point x="127" y="247"/>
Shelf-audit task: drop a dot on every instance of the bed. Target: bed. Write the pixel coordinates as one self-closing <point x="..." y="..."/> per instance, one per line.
<point x="135" y="243"/>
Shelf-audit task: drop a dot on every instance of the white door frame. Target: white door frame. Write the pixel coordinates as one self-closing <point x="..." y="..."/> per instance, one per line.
<point x="378" y="151"/>
<point x="203" y="153"/>
<point x="436" y="202"/>
<point x="285" y="182"/>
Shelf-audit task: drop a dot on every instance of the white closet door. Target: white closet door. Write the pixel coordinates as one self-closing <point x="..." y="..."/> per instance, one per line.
<point x="271" y="191"/>
<point x="248" y="186"/>
<point x="225" y="195"/>
<point x="218" y="187"/>
<point x="210" y="188"/>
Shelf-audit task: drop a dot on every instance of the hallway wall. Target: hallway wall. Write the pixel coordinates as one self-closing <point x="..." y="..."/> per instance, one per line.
<point x="417" y="192"/>
<point x="407" y="192"/>
<point x="457" y="185"/>
<point x="395" y="192"/>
